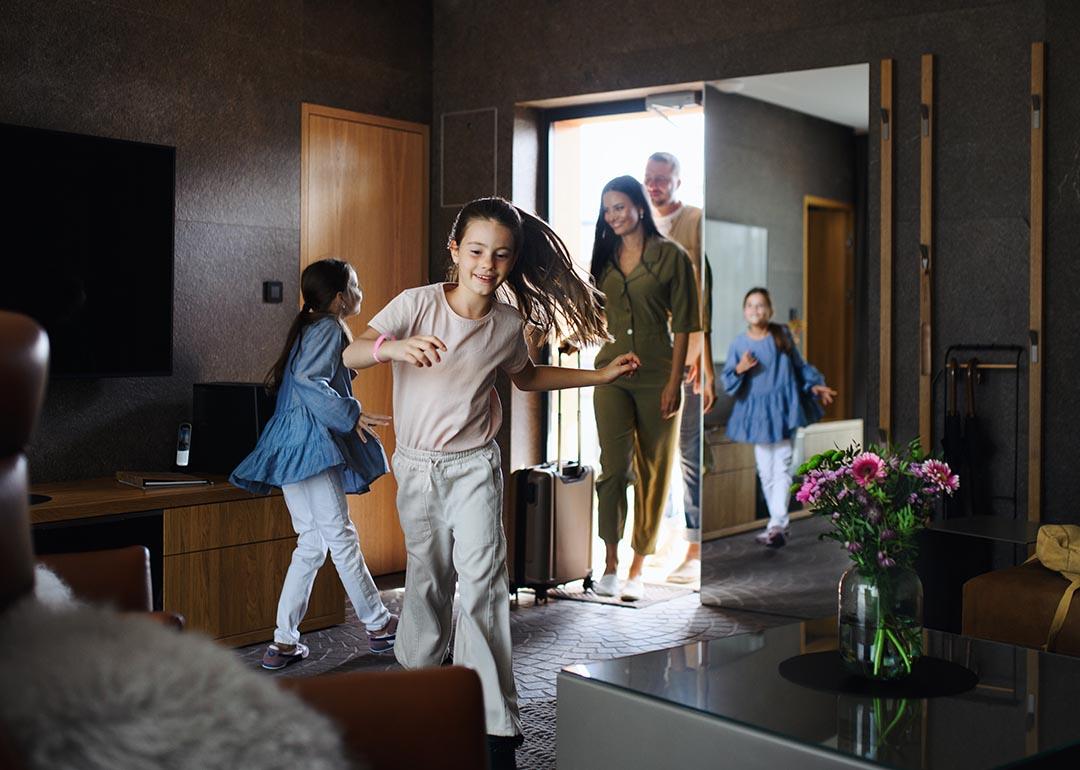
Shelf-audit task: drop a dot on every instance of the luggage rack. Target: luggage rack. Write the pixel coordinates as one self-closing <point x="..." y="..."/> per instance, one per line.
<point x="1006" y="358"/>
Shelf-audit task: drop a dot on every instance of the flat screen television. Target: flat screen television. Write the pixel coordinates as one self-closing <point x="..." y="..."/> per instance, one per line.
<point x="86" y="248"/>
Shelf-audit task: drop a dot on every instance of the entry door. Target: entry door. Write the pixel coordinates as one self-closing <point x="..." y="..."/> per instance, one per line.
<point x="829" y="281"/>
<point x="364" y="199"/>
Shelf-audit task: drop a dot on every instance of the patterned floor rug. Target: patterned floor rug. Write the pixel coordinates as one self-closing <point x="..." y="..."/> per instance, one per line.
<point x="538" y="751"/>
<point x="798" y="580"/>
<point x="654" y="594"/>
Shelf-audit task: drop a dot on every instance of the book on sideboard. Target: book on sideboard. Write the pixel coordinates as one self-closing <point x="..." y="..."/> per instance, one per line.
<point x="152" y="480"/>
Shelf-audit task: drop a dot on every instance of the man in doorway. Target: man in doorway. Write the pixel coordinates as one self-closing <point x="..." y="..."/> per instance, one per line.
<point x="682" y="223"/>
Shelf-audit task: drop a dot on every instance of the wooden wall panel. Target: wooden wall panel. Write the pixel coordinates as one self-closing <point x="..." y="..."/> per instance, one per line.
<point x="926" y="254"/>
<point x="1037" y="348"/>
<point x="887" y="130"/>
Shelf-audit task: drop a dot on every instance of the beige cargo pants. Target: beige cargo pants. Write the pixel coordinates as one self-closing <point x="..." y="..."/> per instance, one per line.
<point x="450" y="506"/>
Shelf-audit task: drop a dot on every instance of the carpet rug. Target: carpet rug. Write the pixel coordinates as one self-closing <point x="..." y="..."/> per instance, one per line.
<point x="654" y="594"/>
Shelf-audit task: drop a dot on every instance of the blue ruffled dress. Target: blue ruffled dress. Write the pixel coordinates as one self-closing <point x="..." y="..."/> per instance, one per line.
<point x="313" y="427"/>
<point x="767" y="405"/>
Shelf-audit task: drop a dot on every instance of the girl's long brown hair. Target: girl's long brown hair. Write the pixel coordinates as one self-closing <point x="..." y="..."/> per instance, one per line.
<point x="780" y="337"/>
<point x="319" y="284"/>
<point x="544" y="283"/>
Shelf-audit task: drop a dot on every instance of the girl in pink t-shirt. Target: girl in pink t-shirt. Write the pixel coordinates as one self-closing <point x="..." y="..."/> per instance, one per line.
<point x="446" y="343"/>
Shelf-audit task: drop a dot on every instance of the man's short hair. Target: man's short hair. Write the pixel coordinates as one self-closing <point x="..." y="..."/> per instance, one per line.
<point x="667" y="157"/>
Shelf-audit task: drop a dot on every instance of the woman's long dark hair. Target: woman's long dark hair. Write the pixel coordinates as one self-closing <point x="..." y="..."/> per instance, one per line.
<point x="319" y="284"/>
<point x="779" y="335"/>
<point x="605" y="243"/>
<point x="544" y="284"/>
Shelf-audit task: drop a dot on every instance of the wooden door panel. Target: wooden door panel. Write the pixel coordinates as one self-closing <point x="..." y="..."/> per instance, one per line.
<point x="830" y="317"/>
<point x="364" y="188"/>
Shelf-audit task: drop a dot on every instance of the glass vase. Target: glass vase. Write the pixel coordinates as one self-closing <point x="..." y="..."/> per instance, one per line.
<point x="880" y="614"/>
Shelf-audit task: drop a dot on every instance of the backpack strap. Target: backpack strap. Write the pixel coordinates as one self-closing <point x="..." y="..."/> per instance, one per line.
<point x="1061" y="613"/>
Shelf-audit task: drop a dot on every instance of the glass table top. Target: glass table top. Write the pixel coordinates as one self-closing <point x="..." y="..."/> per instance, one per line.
<point x="1022" y="708"/>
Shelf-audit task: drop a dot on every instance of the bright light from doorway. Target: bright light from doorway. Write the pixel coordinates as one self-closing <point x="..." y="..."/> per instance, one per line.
<point x="586" y="153"/>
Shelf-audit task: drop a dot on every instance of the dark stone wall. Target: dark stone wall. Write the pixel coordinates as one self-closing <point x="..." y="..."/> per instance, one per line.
<point x="223" y="83"/>
<point x="982" y="61"/>
<point x="760" y="161"/>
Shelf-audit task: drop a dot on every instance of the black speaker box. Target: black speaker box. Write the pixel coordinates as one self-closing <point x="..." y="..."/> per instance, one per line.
<point x="227" y="419"/>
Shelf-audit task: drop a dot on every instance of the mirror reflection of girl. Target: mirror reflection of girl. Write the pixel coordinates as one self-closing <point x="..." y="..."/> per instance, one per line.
<point x="652" y="307"/>
<point x="763" y="373"/>
<point x="446" y="343"/>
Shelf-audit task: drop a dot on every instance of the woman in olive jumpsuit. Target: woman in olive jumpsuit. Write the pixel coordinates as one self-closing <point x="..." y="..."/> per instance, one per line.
<point x="652" y="306"/>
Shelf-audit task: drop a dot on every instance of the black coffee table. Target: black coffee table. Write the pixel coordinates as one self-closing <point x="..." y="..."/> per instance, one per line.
<point x="724" y="703"/>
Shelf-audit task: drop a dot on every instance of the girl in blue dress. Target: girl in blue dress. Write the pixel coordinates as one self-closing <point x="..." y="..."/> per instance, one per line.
<point x="775" y="394"/>
<point x="319" y="446"/>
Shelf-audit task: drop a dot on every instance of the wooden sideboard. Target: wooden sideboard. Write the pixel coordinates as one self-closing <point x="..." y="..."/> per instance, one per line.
<point x="219" y="553"/>
<point x="728" y="486"/>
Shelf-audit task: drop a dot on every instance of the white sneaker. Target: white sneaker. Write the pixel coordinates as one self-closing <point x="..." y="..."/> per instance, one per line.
<point x="773" y="536"/>
<point x="633" y="590"/>
<point x="687" y="572"/>
<point x="608" y="585"/>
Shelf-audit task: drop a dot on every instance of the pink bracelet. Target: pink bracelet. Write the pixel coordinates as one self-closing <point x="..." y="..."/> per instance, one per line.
<point x="378" y="343"/>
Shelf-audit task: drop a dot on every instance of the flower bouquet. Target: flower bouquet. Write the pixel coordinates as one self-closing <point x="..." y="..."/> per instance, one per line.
<point x="877" y="501"/>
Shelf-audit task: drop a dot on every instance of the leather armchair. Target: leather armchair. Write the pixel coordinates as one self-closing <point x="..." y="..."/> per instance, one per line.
<point x="393" y="719"/>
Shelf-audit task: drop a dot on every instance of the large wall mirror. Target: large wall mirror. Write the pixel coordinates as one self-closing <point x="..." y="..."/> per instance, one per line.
<point x="785" y="209"/>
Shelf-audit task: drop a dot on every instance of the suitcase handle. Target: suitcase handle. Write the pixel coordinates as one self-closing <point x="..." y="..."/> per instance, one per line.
<point x="573" y="468"/>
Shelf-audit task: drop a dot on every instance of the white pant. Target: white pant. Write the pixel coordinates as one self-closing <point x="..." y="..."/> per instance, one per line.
<point x="450" y="505"/>
<point x="774" y="470"/>
<point x="320" y="516"/>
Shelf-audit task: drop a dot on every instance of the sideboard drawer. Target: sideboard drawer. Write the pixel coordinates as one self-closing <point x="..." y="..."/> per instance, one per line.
<point x="199" y="527"/>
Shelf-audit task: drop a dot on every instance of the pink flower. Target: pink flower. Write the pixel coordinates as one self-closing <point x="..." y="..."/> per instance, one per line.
<point x="867" y="468"/>
<point x="808" y="492"/>
<point x="940" y="475"/>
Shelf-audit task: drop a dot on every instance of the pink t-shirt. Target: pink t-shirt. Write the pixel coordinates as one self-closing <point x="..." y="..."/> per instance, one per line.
<point x="451" y="406"/>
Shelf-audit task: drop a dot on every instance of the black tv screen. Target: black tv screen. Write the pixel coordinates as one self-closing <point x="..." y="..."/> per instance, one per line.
<point x="86" y="248"/>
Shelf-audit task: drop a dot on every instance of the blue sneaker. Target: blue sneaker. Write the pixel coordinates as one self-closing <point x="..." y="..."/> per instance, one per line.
<point x="382" y="641"/>
<point x="274" y="658"/>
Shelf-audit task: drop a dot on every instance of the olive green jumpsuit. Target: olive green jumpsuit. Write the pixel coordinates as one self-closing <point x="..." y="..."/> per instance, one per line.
<point x="644" y="309"/>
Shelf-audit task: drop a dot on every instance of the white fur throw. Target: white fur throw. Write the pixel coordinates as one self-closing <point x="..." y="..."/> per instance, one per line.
<point x="87" y="687"/>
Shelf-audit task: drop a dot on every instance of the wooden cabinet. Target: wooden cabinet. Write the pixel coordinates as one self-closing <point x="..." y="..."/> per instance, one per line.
<point x="224" y="564"/>
<point x="219" y="552"/>
<point x="728" y="486"/>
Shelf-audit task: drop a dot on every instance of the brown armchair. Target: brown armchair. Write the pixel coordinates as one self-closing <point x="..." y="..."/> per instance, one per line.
<point x="381" y="714"/>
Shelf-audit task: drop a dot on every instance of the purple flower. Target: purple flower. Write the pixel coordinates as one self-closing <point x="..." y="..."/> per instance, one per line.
<point x="873" y="516"/>
<point x="853" y="547"/>
<point x="836" y="516"/>
<point x="884" y="560"/>
<point x="887" y="534"/>
<point x="867" y="468"/>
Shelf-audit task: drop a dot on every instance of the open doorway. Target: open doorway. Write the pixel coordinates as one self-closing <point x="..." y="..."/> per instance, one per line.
<point x="585" y="151"/>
